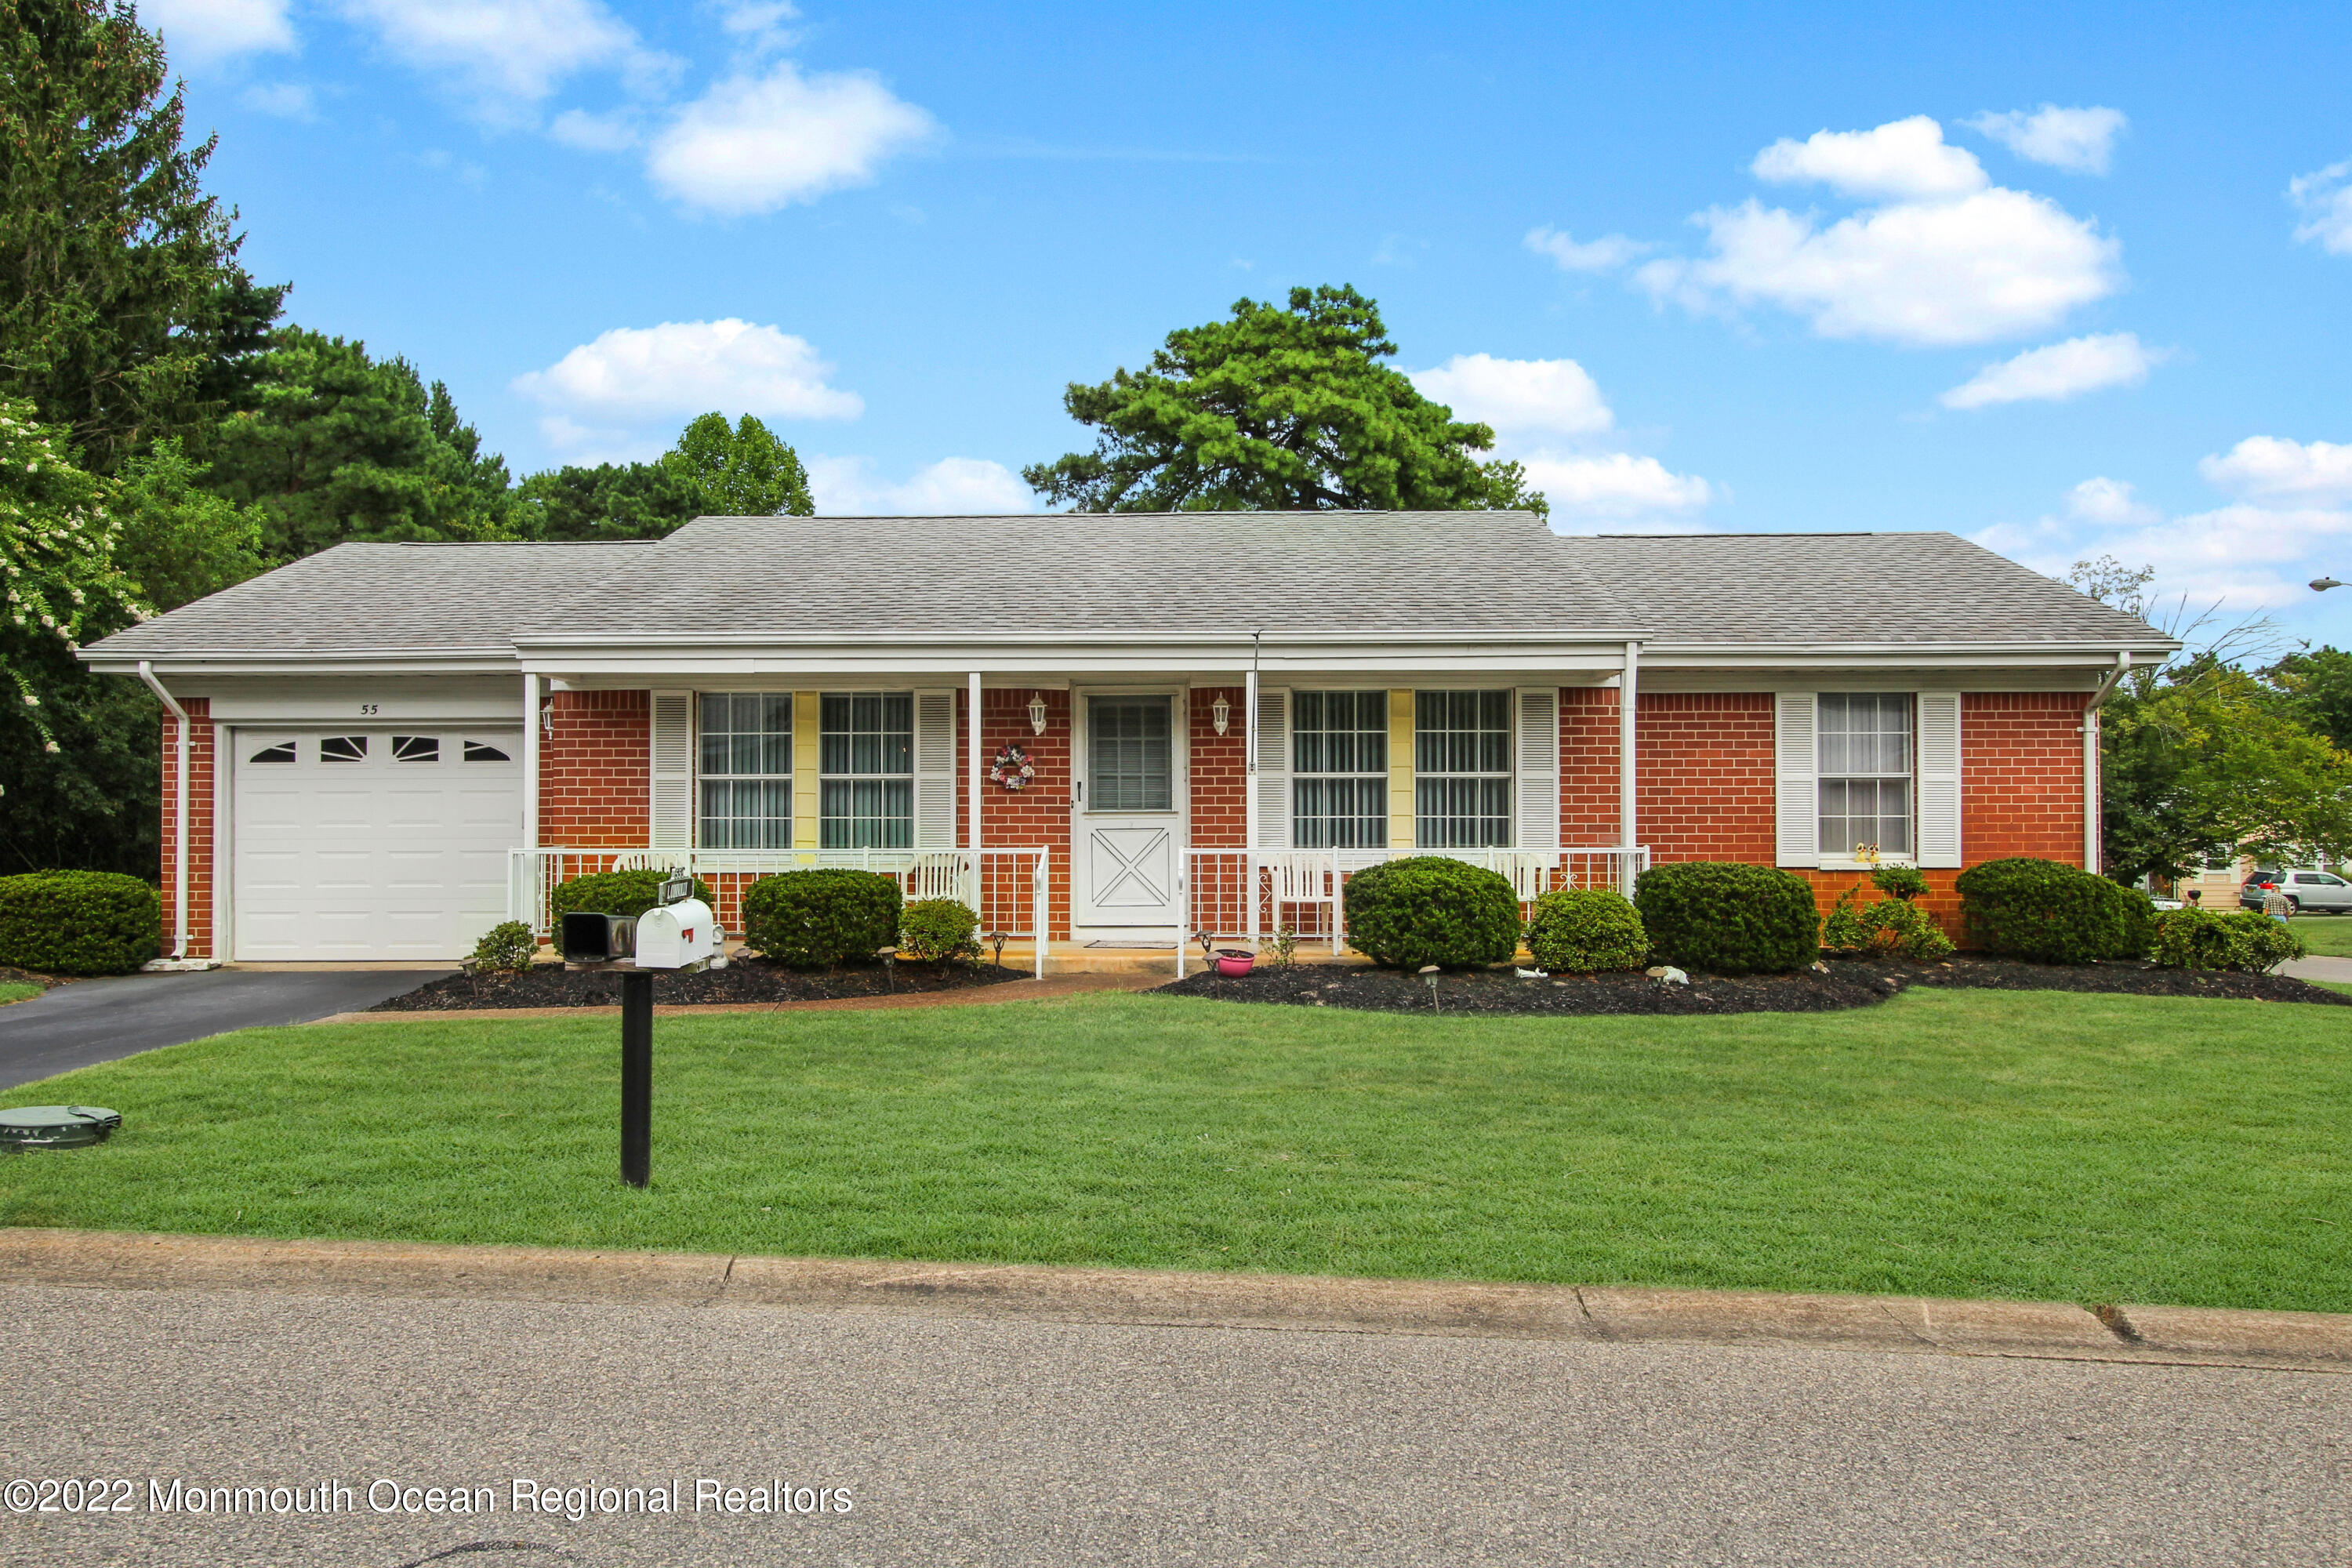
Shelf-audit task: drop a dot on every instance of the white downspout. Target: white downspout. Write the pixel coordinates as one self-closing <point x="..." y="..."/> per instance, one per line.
<point x="530" y="762"/>
<point x="1249" y="795"/>
<point x="1628" y="823"/>
<point x="2091" y="802"/>
<point x="973" y="765"/>
<point x="179" y="811"/>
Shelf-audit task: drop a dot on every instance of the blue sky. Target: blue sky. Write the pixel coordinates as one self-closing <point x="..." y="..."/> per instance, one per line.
<point x="2066" y="279"/>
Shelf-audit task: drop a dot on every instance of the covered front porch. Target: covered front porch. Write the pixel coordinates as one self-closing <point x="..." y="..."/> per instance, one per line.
<point x="1115" y="805"/>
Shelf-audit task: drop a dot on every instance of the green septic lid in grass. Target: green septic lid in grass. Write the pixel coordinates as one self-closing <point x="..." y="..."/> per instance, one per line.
<point x="56" y="1126"/>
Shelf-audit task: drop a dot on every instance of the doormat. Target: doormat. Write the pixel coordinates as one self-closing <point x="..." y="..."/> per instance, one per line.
<point x="1137" y="946"/>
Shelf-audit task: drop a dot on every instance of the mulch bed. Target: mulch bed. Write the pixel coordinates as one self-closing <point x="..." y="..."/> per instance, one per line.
<point x="1840" y="982"/>
<point x="743" y="980"/>
<point x="24" y="977"/>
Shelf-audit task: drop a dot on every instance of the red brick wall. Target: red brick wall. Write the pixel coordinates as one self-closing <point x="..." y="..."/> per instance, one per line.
<point x="1706" y="790"/>
<point x="1220" y="771"/>
<point x="2021" y="775"/>
<point x="201" y="738"/>
<point x="595" y="770"/>
<point x="1040" y="814"/>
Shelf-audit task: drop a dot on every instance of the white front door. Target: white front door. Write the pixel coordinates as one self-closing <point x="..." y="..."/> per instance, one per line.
<point x="372" y="844"/>
<point x="1128" y="831"/>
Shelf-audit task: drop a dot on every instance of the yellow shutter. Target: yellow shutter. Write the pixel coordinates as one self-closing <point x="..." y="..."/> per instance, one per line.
<point x="1403" y="831"/>
<point x="808" y="721"/>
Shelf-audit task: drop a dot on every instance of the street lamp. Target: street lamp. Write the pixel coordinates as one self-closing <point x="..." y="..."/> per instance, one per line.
<point x="2321" y="584"/>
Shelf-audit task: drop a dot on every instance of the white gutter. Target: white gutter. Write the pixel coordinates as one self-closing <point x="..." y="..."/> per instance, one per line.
<point x="2091" y="801"/>
<point x="179" y="811"/>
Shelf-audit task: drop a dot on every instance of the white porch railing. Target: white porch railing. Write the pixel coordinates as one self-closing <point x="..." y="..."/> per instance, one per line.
<point x="1250" y="895"/>
<point x="1005" y="887"/>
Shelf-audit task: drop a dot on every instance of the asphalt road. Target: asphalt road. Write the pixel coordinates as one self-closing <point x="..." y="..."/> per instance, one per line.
<point x="90" y="1021"/>
<point x="1003" y="1441"/>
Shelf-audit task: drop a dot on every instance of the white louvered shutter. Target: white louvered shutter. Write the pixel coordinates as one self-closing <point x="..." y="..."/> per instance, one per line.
<point x="935" y="770"/>
<point x="1539" y="769"/>
<point x="1939" y="778"/>
<point x="673" y="771"/>
<point x="1798" y="822"/>
<point x="1273" y="769"/>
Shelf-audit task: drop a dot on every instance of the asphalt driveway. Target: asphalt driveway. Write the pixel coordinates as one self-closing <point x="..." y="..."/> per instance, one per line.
<point x="92" y="1021"/>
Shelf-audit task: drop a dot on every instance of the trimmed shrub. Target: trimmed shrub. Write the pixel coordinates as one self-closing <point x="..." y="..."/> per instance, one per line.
<point x="936" y="928"/>
<point x="617" y="893"/>
<point x="2052" y="912"/>
<point x="1906" y="882"/>
<point x="506" y="947"/>
<point x="1429" y="909"/>
<point x="1895" y="925"/>
<point x="1581" y="929"/>
<point x="78" y="923"/>
<point x="1723" y="917"/>
<point x="2215" y="939"/>
<point x="830" y="915"/>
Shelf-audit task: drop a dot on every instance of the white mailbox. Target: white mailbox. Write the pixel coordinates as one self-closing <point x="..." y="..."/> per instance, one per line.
<point x="672" y="936"/>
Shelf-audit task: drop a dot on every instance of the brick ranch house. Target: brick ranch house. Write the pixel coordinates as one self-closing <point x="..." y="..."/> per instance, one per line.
<point x="389" y="748"/>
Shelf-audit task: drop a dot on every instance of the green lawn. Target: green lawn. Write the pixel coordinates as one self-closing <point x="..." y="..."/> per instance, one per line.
<point x="17" y="991"/>
<point x="2030" y="1144"/>
<point x="2326" y="935"/>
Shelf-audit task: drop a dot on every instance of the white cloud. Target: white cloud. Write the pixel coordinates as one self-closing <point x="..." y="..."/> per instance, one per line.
<point x="202" y="32"/>
<point x="1992" y="264"/>
<point x="507" y="55"/>
<point x="2325" y="199"/>
<point x="632" y="373"/>
<point x="1603" y="255"/>
<point x="952" y="487"/>
<point x="2246" y="556"/>
<point x="2273" y="468"/>
<point x="1905" y="159"/>
<point x="1520" y="396"/>
<point x="2079" y="139"/>
<point x="287" y="100"/>
<point x="2107" y="502"/>
<point x="2057" y="372"/>
<point x="755" y="144"/>
<point x="609" y="133"/>
<point x="1614" y="487"/>
<point x="760" y="23"/>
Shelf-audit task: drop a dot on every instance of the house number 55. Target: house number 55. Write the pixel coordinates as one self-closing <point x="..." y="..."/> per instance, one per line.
<point x="366" y="709"/>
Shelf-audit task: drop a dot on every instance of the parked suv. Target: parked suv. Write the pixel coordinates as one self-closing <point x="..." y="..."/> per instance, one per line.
<point x="2314" y="892"/>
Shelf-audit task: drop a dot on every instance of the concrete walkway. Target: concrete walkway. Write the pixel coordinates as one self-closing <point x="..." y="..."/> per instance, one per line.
<point x="1065" y="1417"/>
<point x="85" y="1022"/>
<point x="2335" y="970"/>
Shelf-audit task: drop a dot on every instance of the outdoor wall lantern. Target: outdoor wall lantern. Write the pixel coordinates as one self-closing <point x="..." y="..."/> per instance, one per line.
<point x="1221" y="713"/>
<point x="1036" y="713"/>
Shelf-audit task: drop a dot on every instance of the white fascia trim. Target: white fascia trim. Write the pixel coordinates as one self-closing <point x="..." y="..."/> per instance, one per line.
<point x="1513" y="636"/>
<point x="1765" y="656"/>
<point x="325" y="663"/>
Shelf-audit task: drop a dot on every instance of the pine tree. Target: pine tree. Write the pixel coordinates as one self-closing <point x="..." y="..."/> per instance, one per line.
<point x="117" y="270"/>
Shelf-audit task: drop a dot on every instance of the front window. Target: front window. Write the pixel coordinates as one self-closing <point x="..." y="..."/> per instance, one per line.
<point x="1461" y="769"/>
<point x="868" y="773"/>
<point x="747" y="770"/>
<point x="1339" y="769"/>
<point x="1865" y="772"/>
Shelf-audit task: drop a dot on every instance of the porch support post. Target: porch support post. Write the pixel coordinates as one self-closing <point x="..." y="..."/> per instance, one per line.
<point x="1249" y="798"/>
<point x="531" y="761"/>
<point x="1628" y="825"/>
<point x="971" y="757"/>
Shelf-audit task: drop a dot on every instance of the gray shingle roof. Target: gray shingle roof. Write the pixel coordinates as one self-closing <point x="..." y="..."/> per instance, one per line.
<point x="1844" y="587"/>
<point x="386" y="598"/>
<point x="1202" y="572"/>
<point x="1059" y="573"/>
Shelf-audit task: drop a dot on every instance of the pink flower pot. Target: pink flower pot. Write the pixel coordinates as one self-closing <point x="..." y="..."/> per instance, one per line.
<point x="1233" y="965"/>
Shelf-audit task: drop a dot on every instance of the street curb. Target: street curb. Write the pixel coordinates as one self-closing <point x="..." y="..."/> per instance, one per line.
<point x="2309" y="1341"/>
<point x="1051" y="988"/>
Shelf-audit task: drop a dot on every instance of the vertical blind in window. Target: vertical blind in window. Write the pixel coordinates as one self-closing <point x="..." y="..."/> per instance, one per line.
<point x="1130" y="763"/>
<point x="1339" y="769"/>
<point x="1461" y="769"/>
<point x="747" y="770"/>
<point x="1865" y="772"/>
<point x="867" y="771"/>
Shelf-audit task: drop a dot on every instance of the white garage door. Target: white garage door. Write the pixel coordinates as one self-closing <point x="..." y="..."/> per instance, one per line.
<point x="372" y="845"/>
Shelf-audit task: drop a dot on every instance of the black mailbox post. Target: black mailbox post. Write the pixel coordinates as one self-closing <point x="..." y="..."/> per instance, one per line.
<point x="601" y="942"/>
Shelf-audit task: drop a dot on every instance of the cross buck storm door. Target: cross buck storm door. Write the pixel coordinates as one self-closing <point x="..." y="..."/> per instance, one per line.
<point x="1127" y="822"/>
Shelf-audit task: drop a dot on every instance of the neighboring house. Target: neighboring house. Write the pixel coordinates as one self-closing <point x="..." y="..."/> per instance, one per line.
<point x="393" y="746"/>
